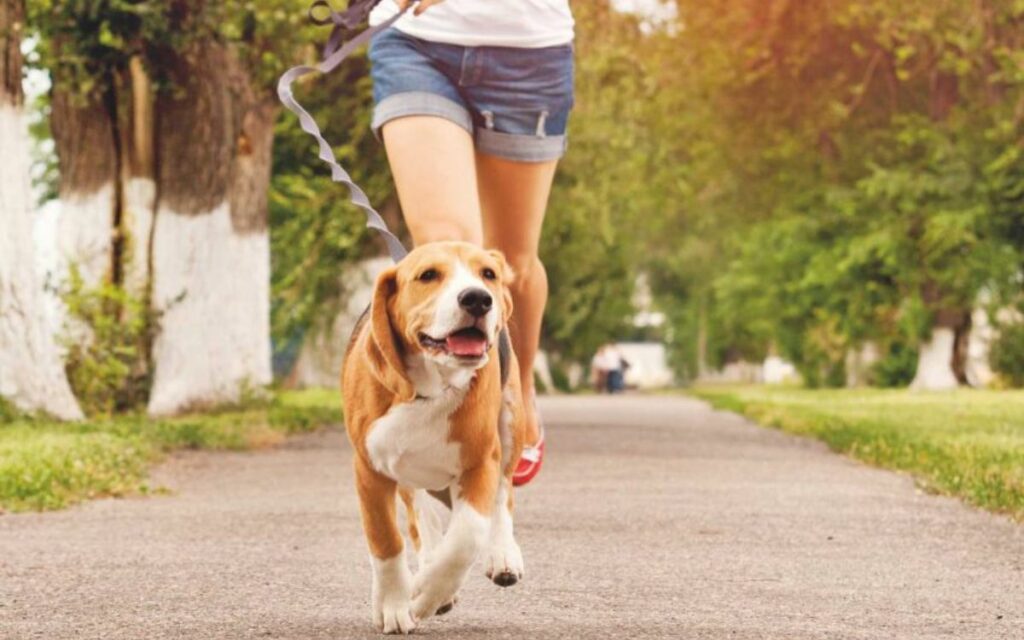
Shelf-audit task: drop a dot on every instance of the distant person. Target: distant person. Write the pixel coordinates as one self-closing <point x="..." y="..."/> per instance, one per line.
<point x="609" y="369"/>
<point x="599" y="370"/>
<point x="617" y="369"/>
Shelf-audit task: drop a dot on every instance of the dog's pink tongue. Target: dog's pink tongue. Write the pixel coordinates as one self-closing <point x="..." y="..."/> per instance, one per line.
<point x="467" y="345"/>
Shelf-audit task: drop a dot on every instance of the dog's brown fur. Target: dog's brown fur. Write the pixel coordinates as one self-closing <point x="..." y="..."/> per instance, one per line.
<point x="374" y="380"/>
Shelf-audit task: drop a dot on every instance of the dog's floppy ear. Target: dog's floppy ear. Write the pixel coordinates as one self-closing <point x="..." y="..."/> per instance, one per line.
<point x="383" y="351"/>
<point x="507" y="277"/>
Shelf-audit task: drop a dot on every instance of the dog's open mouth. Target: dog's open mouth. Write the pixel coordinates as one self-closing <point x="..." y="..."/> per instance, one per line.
<point x="464" y="343"/>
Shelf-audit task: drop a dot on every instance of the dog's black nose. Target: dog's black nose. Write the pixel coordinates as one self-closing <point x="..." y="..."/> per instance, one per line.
<point x="476" y="301"/>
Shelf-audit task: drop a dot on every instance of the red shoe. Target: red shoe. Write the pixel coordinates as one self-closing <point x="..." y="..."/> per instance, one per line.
<point x="529" y="462"/>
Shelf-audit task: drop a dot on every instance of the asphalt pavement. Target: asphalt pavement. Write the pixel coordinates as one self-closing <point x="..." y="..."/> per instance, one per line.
<point x="654" y="517"/>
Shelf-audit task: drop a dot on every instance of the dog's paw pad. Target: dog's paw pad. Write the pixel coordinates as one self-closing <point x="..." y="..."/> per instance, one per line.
<point x="505" y="579"/>
<point x="444" y="608"/>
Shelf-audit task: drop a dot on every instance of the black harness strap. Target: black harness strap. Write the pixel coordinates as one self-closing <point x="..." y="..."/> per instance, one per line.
<point x="504" y="353"/>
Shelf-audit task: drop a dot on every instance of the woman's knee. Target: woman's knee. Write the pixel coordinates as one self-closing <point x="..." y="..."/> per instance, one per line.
<point x="526" y="267"/>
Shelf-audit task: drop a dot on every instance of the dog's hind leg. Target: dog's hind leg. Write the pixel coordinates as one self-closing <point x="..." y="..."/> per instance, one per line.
<point x="408" y="499"/>
<point x="428" y="517"/>
<point x="437" y="583"/>
<point x="431" y="518"/>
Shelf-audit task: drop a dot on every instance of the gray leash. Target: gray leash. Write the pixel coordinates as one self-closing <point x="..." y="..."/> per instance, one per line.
<point x="334" y="57"/>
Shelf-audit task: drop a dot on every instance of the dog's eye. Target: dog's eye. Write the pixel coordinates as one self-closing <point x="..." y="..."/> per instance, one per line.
<point x="489" y="274"/>
<point x="429" y="275"/>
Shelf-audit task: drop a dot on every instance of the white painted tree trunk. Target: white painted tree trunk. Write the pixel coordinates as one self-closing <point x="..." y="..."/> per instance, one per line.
<point x="139" y="201"/>
<point x="139" y="183"/>
<point x="935" y="362"/>
<point x="212" y="285"/>
<point x="84" y="233"/>
<point x="542" y="370"/>
<point x="859" y="362"/>
<point x="210" y="257"/>
<point x="777" y="370"/>
<point x="31" y="373"/>
<point x="979" y="346"/>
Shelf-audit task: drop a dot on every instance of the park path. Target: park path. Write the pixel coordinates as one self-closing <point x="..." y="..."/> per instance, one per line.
<point x="655" y="517"/>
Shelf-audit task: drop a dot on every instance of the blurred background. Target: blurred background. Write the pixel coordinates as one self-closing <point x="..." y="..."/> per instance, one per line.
<point x="818" y="193"/>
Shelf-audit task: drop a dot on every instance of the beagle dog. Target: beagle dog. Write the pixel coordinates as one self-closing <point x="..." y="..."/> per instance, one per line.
<point x="434" y="414"/>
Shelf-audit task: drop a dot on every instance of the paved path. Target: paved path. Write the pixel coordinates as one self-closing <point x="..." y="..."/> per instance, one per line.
<point x="654" y="518"/>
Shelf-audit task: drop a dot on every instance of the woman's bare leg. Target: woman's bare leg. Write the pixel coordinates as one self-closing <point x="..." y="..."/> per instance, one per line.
<point x="432" y="161"/>
<point x="513" y="198"/>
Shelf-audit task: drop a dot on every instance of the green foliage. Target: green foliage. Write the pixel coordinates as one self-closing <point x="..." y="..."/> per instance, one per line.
<point x="49" y="465"/>
<point x="968" y="443"/>
<point x="1007" y="354"/>
<point x="896" y="368"/>
<point x="106" y="337"/>
<point x="855" y="172"/>
<point x="84" y="41"/>
<point x="8" y="412"/>
<point x="791" y="177"/>
<point x="88" y="42"/>
<point x="602" y="192"/>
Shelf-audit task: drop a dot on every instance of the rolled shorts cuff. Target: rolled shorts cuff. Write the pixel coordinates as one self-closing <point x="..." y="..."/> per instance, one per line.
<point x="419" y="103"/>
<point x="520" y="147"/>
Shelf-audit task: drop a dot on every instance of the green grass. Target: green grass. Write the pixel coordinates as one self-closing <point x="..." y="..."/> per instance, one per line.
<point x="967" y="443"/>
<point x="50" y="465"/>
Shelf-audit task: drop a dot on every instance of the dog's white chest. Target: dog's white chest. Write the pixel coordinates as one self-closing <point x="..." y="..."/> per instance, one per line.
<point x="410" y="443"/>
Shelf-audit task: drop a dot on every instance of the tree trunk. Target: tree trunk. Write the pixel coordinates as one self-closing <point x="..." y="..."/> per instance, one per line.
<point x="138" y="180"/>
<point x="941" y="362"/>
<point x="83" y="135"/>
<point x="859" y="361"/>
<point x="104" y="142"/>
<point x="31" y="373"/>
<point x="211" y="250"/>
<point x="702" y="341"/>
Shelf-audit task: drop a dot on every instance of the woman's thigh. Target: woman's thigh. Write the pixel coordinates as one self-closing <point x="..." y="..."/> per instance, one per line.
<point x="427" y="132"/>
<point x="432" y="161"/>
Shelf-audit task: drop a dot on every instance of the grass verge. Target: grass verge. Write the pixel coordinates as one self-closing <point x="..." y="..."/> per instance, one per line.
<point x="967" y="443"/>
<point x="50" y="465"/>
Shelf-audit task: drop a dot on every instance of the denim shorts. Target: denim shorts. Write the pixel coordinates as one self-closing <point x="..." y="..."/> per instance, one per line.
<point x="515" y="102"/>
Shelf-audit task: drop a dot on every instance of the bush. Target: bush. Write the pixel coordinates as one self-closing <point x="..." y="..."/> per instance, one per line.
<point x="896" y="368"/>
<point x="8" y="413"/>
<point x="1007" y="354"/>
<point x="107" y="337"/>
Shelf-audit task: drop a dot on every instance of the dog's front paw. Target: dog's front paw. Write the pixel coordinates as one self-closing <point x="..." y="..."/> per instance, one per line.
<point x="504" y="563"/>
<point x="392" y="598"/>
<point x="395" y="617"/>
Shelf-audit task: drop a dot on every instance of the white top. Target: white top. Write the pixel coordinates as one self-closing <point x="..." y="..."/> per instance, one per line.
<point x="607" y="359"/>
<point x="486" y="23"/>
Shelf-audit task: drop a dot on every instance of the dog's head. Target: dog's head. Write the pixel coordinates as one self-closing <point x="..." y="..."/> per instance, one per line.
<point x="445" y="301"/>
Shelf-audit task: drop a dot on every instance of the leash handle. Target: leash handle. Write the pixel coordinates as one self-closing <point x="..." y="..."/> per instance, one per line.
<point x="333" y="58"/>
<point x="344" y="22"/>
